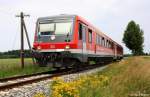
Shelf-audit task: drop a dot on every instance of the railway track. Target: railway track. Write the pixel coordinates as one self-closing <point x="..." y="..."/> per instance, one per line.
<point x="17" y="81"/>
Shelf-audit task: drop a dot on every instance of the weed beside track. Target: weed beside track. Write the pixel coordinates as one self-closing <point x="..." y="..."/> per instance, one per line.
<point x="12" y="67"/>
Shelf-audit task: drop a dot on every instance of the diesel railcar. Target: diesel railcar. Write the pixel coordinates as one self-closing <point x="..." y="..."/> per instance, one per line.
<point x="64" y="40"/>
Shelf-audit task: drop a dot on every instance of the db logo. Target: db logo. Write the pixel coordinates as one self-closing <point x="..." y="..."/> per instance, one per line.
<point x="52" y="46"/>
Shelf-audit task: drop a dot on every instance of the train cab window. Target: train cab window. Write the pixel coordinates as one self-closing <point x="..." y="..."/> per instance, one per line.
<point x="80" y="31"/>
<point x="46" y="29"/>
<point x="90" y="35"/>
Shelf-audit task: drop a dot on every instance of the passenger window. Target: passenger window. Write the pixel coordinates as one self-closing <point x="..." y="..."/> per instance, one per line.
<point x="112" y="44"/>
<point x="103" y="42"/>
<point x="97" y="39"/>
<point x="107" y="44"/>
<point x="80" y="31"/>
<point x="90" y="35"/>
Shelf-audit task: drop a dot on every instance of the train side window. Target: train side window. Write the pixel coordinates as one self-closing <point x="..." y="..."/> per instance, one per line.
<point x="103" y="41"/>
<point x="80" y="31"/>
<point x="97" y="39"/>
<point x="112" y="44"/>
<point x="107" y="44"/>
<point x="90" y="35"/>
<point x="100" y="39"/>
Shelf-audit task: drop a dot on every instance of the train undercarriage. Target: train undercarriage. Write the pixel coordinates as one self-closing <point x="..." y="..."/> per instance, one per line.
<point x="67" y="59"/>
<point x="56" y="59"/>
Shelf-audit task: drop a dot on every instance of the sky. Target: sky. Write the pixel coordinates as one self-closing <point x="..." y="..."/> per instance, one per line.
<point x="110" y="16"/>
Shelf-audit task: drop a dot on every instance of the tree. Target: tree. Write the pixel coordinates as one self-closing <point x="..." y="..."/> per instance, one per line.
<point x="133" y="38"/>
<point x="15" y="54"/>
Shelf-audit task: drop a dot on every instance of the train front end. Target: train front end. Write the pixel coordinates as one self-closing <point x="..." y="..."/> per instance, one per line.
<point x="54" y="38"/>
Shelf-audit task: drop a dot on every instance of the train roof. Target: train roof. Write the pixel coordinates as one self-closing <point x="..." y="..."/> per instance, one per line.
<point x="66" y="16"/>
<point x="61" y="16"/>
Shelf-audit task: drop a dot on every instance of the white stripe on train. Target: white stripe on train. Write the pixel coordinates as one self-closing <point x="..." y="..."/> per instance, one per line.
<point x="76" y="51"/>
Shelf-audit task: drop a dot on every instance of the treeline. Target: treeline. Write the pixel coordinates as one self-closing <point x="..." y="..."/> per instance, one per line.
<point x="14" y="54"/>
<point x="27" y="54"/>
<point x="129" y="55"/>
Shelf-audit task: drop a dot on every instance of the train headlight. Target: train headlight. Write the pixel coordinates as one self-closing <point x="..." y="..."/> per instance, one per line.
<point x="39" y="47"/>
<point x="67" y="47"/>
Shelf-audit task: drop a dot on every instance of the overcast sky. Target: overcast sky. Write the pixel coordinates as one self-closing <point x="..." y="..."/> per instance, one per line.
<point x="110" y="16"/>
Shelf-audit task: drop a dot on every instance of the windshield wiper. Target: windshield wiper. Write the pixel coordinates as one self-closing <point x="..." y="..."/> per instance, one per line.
<point x="67" y="38"/>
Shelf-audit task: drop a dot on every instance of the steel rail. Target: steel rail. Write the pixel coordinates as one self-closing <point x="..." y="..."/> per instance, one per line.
<point x="53" y="74"/>
<point x="22" y="76"/>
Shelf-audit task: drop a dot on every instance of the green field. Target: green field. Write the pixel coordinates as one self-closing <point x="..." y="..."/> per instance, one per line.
<point x="12" y="67"/>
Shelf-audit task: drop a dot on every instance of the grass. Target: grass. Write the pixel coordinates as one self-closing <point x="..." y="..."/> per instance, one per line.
<point x="12" y="67"/>
<point x="127" y="78"/>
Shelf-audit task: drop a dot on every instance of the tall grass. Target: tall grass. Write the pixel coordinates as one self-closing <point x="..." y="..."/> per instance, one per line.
<point x="128" y="77"/>
<point x="12" y="67"/>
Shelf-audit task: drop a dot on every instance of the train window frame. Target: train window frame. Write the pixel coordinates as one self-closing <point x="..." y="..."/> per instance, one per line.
<point x="80" y="31"/>
<point x="54" y="30"/>
<point x="97" y="39"/>
<point x="103" y="41"/>
<point x="112" y="44"/>
<point x="100" y="39"/>
<point x="109" y="44"/>
<point x="106" y="43"/>
<point x="90" y="35"/>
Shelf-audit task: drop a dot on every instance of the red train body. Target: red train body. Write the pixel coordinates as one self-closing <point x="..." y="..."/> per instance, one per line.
<point x="70" y="37"/>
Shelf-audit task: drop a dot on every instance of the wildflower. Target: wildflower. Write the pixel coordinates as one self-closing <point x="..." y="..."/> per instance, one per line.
<point x="60" y="88"/>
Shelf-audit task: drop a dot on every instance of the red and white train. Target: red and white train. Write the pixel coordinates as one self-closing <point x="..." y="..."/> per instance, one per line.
<point x="66" y="39"/>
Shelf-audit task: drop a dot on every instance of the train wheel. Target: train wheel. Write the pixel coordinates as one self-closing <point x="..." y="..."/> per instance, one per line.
<point x="58" y="63"/>
<point x="77" y="65"/>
